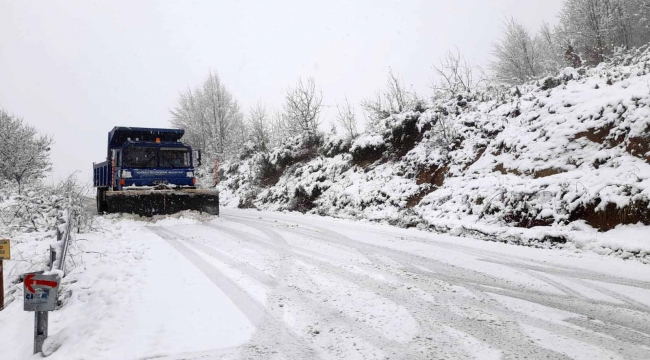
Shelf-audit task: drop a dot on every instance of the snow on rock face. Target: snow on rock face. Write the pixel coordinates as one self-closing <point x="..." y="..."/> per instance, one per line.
<point x="546" y="165"/>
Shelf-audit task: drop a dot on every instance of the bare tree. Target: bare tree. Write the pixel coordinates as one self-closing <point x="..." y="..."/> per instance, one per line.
<point x="303" y="104"/>
<point x="375" y="110"/>
<point x="454" y="75"/>
<point x="189" y="115"/>
<point x="395" y="99"/>
<point x="347" y="118"/>
<point x="212" y="119"/>
<point x="639" y="15"/>
<point x="223" y="113"/>
<point x="258" y="123"/>
<point x="24" y="154"/>
<point x="586" y="23"/>
<point x="552" y="52"/>
<point x="277" y="131"/>
<point x="596" y="27"/>
<point x="518" y="55"/>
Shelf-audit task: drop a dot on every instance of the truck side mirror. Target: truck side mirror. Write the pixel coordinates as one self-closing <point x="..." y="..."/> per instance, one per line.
<point x="198" y="158"/>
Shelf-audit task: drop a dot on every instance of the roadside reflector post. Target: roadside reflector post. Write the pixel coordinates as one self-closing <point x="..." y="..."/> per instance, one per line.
<point x="5" y="254"/>
<point x="2" y="287"/>
<point x="41" y="293"/>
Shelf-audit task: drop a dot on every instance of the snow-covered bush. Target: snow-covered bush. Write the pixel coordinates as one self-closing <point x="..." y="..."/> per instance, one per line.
<point x="34" y="209"/>
<point x="37" y="207"/>
<point x="335" y="145"/>
<point x="368" y="148"/>
<point x="78" y="198"/>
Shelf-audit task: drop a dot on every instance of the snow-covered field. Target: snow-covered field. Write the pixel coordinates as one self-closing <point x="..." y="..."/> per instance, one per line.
<point x="253" y="284"/>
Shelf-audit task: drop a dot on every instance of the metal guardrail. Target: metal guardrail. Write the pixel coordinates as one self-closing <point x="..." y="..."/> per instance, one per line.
<point x="63" y="240"/>
<point x="63" y="232"/>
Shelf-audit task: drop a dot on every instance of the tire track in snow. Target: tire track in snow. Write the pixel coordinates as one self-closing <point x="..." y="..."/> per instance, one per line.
<point x="486" y="255"/>
<point x="577" y="275"/>
<point x="625" y="327"/>
<point x="272" y="336"/>
<point x="506" y="336"/>
<point x="515" y="343"/>
<point x="620" y="324"/>
<point x="244" y="267"/>
<point x="632" y="304"/>
<point x="282" y="292"/>
<point x="530" y="270"/>
<point x="369" y="334"/>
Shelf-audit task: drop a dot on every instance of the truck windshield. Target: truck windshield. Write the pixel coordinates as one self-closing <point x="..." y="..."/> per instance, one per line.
<point x="174" y="158"/>
<point x="139" y="157"/>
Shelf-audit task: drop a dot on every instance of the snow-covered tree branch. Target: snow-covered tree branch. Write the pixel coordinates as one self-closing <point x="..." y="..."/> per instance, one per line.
<point x="597" y="27"/>
<point x="24" y="153"/>
<point x="518" y="55"/>
<point x="394" y="99"/>
<point x="347" y="118"/>
<point x="259" y="126"/>
<point x="302" y="107"/>
<point x="212" y="119"/>
<point x="454" y="75"/>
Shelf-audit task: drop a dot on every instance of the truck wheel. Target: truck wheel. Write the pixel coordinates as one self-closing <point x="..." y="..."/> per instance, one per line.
<point x="101" y="201"/>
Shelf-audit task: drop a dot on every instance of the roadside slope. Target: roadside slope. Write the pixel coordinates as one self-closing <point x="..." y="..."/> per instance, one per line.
<point x="550" y="163"/>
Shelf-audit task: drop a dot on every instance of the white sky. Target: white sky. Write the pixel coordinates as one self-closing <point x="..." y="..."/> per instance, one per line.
<point x="75" y="69"/>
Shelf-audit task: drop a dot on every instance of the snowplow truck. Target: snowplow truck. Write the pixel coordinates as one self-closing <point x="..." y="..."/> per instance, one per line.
<point x="150" y="172"/>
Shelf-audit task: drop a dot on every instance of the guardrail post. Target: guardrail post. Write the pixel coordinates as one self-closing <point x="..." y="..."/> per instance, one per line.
<point x="66" y="240"/>
<point x="52" y="257"/>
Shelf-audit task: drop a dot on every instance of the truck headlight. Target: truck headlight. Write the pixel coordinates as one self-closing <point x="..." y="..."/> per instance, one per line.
<point x="190" y="174"/>
<point x="126" y="174"/>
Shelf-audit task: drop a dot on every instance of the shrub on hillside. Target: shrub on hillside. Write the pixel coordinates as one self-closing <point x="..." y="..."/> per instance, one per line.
<point x="77" y="197"/>
<point x="368" y="148"/>
<point x="37" y="207"/>
<point x="267" y="173"/>
<point x="336" y="145"/>
<point x="297" y="149"/>
<point x="303" y="199"/>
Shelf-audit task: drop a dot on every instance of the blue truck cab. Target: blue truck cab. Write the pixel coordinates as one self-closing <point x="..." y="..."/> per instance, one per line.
<point x="154" y="165"/>
<point x="145" y="158"/>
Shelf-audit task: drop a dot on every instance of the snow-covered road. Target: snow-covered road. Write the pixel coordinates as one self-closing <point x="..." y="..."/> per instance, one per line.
<point x="287" y="286"/>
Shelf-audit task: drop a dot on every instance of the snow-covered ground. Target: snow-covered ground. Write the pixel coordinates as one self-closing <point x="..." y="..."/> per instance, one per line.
<point x="253" y="284"/>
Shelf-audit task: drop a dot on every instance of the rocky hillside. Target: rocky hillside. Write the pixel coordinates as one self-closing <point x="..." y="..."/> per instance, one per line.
<point x="556" y="162"/>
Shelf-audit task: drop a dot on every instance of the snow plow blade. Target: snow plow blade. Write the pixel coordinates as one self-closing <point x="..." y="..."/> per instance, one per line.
<point x="162" y="202"/>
